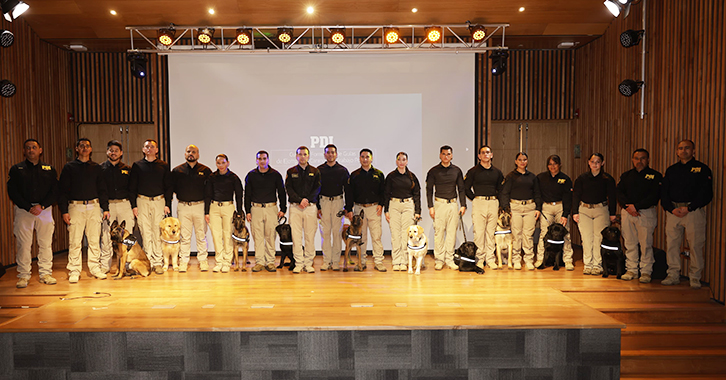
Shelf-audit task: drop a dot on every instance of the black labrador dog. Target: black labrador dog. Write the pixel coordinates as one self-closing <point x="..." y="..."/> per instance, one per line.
<point x="554" y="244"/>
<point x="465" y="258"/>
<point x="285" y="232"/>
<point x="613" y="257"/>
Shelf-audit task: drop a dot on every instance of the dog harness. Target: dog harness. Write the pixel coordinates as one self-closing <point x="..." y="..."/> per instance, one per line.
<point x="170" y="242"/>
<point x="239" y="239"/>
<point x="416" y="248"/>
<point x="285" y="243"/>
<point x="555" y="241"/>
<point x="354" y="237"/>
<point x="609" y="248"/>
<point x="507" y="232"/>
<point x="466" y="259"/>
<point x="129" y="242"/>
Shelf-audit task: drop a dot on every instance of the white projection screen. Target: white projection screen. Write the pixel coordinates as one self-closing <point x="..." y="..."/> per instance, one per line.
<point x="387" y="102"/>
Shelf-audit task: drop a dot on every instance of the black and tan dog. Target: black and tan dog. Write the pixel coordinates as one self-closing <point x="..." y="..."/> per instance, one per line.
<point x="613" y="257"/>
<point x="465" y="258"/>
<point x="132" y="260"/>
<point x="503" y="237"/>
<point x="353" y="237"/>
<point x="554" y="245"/>
<point x="240" y="238"/>
<point x="284" y="231"/>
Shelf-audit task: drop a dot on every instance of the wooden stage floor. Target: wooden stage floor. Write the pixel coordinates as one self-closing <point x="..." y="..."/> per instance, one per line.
<point x="282" y="301"/>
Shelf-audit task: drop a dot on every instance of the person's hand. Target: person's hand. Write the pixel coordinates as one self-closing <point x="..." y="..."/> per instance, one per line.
<point x="462" y="210"/>
<point x="249" y="216"/>
<point x="304" y="203"/>
<point x="136" y="212"/>
<point x="432" y="213"/>
<point x="379" y="210"/>
<point x="576" y="218"/>
<point x="632" y="211"/>
<point x="106" y="215"/>
<point x="563" y="221"/>
<point x="167" y="211"/>
<point x="280" y="214"/>
<point x="417" y="217"/>
<point x="36" y="210"/>
<point x="613" y="218"/>
<point x="536" y="214"/>
<point x="349" y="215"/>
<point x="206" y="218"/>
<point x="320" y="214"/>
<point x="67" y="218"/>
<point x="388" y="217"/>
<point x="680" y="212"/>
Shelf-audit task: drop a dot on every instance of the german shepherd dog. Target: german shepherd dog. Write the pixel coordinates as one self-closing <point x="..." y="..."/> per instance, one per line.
<point x="503" y="237"/>
<point x="353" y="237"/>
<point x="240" y="238"/>
<point x="132" y="259"/>
<point x="554" y="245"/>
<point x="613" y="257"/>
<point x="285" y="232"/>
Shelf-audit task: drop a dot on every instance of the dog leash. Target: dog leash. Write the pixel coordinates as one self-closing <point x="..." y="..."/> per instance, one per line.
<point x="461" y="224"/>
<point x="282" y="220"/>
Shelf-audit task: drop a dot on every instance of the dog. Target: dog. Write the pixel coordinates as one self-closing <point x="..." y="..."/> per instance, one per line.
<point x="170" y="241"/>
<point x="353" y="237"/>
<point x="503" y="237"/>
<point x="285" y="232"/>
<point x="465" y="258"/>
<point x="613" y="257"/>
<point x="240" y="238"/>
<point x="132" y="260"/>
<point x="554" y="244"/>
<point x="417" y="247"/>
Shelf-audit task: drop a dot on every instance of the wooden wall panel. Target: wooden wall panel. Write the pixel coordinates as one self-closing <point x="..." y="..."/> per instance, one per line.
<point x="538" y="85"/>
<point x="685" y="99"/>
<point x="39" y="110"/>
<point x="483" y="106"/>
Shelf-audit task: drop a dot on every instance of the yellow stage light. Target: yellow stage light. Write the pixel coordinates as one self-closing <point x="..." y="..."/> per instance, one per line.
<point x="391" y="35"/>
<point x="284" y="35"/>
<point x="244" y="36"/>
<point x="204" y="35"/>
<point x="337" y="36"/>
<point x="477" y="32"/>
<point x="433" y="33"/>
<point x="166" y="36"/>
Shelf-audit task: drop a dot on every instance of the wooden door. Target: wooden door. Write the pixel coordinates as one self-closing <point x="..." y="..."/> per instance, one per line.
<point x="539" y="139"/>
<point x="131" y="136"/>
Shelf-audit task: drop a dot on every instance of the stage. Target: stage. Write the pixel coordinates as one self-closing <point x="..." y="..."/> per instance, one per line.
<point x="441" y="324"/>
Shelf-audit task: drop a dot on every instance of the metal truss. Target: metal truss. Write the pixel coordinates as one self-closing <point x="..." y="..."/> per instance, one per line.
<point x="316" y="39"/>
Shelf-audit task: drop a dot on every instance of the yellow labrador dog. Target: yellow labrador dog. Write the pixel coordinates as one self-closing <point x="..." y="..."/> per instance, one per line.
<point x="170" y="241"/>
<point x="417" y="247"/>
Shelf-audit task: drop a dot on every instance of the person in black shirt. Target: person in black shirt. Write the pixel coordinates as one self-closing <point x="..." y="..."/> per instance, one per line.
<point x="443" y="182"/>
<point x="687" y="189"/>
<point x="594" y="205"/>
<point x="556" y="189"/>
<point x="188" y="181"/>
<point x="302" y="183"/>
<point x="483" y="182"/>
<point x="333" y="178"/>
<point x="32" y="186"/>
<point x="221" y="190"/>
<point x="638" y="195"/>
<point x="521" y="193"/>
<point x="82" y="197"/>
<point x="365" y="192"/>
<point x="403" y="208"/>
<point x="264" y="190"/>
<point x="116" y="174"/>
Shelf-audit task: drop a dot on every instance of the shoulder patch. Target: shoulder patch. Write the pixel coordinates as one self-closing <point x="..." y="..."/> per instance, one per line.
<point x="47" y="167"/>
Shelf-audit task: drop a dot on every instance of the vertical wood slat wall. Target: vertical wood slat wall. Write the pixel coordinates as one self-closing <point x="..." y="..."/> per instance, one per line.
<point x="483" y="102"/>
<point x="685" y="99"/>
<point x="537" y="85"/>
<point x="39" y="109"/>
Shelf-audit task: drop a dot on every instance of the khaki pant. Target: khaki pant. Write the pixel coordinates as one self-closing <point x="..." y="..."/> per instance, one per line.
<point x="639" y="230"/>
<point x="552" y="214"/>
<point x="84" y="218"/>
<point x="304" y="223"/>
<point x="445" y="223"/>
<point x="264" y="221"/>
<point x="371" y="223"/>
<point x="592" y="222"/>
<point x="151" y="213"/>
<point x="401" y="214"/>
<point x="695" y="225"/>
<point x="121" y="212"/>
<point x="330" y="229"/>
<point x="484" y="216"/>
<point x="192" y="218"/>
<point x="24" y="224"/>
<point x="220" y="222"/>
<point x="523" y="222"/>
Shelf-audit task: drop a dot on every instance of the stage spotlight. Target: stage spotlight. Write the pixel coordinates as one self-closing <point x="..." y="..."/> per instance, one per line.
<point x="138" y="64"/>
<point x="629" y="87"/>
<point x="166" y="36"/>
<point x="499" y="62"/>
<point x="618" y="6"/>
<point x="477" y="32"/>
<point x="630" y="38"/>
<point x="433" y="33"/>
<point x="12" y="9"/>
<point x="391" y="35"/>
<point x="337" y="36"/>
<point x="7" y="89"/>
<point x="244" y="36"/>
<point x="6" y="38"/>
<point x="284" y="35"/>
<point x="204" y="35"/>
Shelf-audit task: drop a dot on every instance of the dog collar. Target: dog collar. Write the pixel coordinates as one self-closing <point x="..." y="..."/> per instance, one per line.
<point x="239" y="239"/>
<point x="609" y="248"/>
<point x="555" y="241"/>
<point x="416" y="248"/>
<point x="129" y="242"/>
<point x="354" y="236"/>
<point x="285" y="243"/>
<point x="170" y="242"/>
<point x="467" y="259"/>
<point x="502" y="232"/>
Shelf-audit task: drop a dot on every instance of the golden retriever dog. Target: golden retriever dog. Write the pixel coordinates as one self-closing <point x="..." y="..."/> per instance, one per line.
<point x="417" y="247"/>
<point x="170" y="241"/>
<point x="132" y="260"/>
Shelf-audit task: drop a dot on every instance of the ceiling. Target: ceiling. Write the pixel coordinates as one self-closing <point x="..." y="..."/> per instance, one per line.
<point x="543" y="24"/>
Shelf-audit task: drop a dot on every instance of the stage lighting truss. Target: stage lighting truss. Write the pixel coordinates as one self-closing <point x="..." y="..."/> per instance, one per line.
<point x="319" y="39"/>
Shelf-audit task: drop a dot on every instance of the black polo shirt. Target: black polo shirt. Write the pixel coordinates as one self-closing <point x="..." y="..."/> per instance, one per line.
<point x="150" y="179"/>
<point x="594" y="189"/>
<point x="30" y="184"/>
<point x="81" y="181"/>
<point x="447" y="181"/>
<point x="264" y="187"/>
<point x="403" y="186"/>
<point x="641" y="189"/>
<point x="364" y="187"/>
<point x="225" y="187"/>
<point x="484" y="182"/>
<point x="556" y="189"/>
<point x="188" y="182"/>
<point x="690" y="182"/>
<point x="117" y="179"/>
